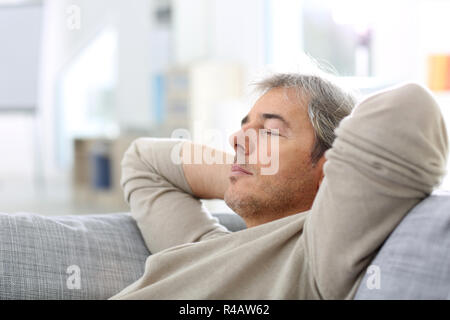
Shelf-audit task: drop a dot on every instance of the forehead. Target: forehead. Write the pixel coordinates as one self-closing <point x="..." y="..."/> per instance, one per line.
<point x="287" y="102"/>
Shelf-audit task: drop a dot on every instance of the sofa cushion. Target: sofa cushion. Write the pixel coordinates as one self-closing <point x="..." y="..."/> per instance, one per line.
<point x="68" y="257"/>
<point x="73" y="257"/>
<point x="414" y="262"/>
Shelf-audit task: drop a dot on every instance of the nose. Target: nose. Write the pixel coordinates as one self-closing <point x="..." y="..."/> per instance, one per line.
<point x="233" y="140"/>
<point x="242" y="143"/>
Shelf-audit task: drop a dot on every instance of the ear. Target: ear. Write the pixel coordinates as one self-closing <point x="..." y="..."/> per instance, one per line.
<point x="319" y="168"/>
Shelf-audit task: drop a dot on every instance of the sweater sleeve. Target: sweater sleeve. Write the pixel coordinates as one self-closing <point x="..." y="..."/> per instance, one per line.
<point x="389" y="154"/>
<point x="160" y="199"/>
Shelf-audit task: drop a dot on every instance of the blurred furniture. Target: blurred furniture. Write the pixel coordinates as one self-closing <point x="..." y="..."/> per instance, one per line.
<point x="172" y="106"/>
<point x="96" y="256"/>
<point x="96" y="174"/>
<point x="196" y="98"/>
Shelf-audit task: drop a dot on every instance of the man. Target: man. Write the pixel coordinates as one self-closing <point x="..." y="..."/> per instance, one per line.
<point x="303" y="242"/>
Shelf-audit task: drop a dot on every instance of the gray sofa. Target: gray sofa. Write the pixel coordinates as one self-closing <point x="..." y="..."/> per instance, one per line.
<point x="96" y="256"/>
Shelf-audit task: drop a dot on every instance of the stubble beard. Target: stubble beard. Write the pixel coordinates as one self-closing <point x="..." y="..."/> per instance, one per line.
<point x="273" y="201"/>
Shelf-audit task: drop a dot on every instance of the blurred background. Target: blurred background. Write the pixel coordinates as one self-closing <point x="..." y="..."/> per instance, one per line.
<point x="81" y="79"/>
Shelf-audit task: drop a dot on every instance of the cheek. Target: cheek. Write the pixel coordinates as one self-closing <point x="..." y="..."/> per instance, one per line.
<point x="294" y="163"/>
<point x="281" y="162"/>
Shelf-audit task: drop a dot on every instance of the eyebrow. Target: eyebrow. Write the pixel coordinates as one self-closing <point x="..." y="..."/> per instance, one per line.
<point x="266" y="116"/>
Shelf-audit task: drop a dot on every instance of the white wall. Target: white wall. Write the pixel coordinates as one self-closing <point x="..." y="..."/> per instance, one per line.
<point x="19" y="58"/>
<point x="191" y="28"/>
<point x="397" y="41"/>
<point x="237" y="34"/>
<point x="133" y="91"/>
<point x="16" y="148"/>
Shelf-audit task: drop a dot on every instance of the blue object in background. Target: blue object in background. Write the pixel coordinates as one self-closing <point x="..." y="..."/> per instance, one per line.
<point x="100" y="168"/>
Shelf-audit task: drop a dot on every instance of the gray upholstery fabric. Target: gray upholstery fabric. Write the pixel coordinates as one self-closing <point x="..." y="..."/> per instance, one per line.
<point x="42" y="257"/>
<point x="233" y="222"/>
<point x="414" y="262"/>
<point x="36" y="252"/>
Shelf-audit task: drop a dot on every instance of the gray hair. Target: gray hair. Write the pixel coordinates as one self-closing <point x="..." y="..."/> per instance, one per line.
<point x="328" y="104"/>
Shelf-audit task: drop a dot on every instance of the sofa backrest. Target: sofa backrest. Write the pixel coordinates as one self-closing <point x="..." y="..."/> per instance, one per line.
<point x="414" y="262"/>
<point x="68" y="257"/>
<point x="73" y="257"/>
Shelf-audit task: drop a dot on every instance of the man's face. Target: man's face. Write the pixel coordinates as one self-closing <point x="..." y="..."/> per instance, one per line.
<point x="261" y="198"/>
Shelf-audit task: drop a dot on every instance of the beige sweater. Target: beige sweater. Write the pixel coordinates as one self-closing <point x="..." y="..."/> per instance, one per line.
<point x="388" y="155"/>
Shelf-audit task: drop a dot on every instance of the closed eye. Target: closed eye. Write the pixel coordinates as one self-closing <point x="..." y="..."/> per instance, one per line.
<point x="271" y="132"/>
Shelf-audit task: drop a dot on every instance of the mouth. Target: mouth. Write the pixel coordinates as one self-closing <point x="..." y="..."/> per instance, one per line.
<point x="239" y="171"/>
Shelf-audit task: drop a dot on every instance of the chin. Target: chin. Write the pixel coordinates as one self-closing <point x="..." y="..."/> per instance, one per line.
<point x="238" y="190"/>
<point x="233" y="198"/>
<point x="240" y="200"/>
